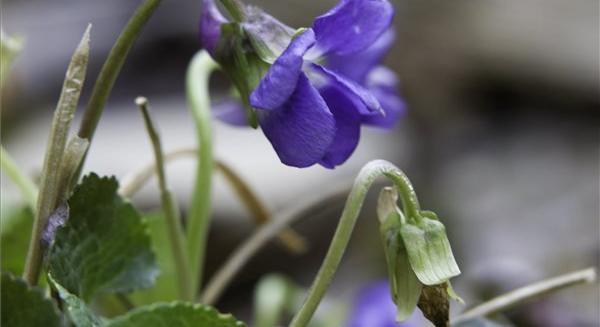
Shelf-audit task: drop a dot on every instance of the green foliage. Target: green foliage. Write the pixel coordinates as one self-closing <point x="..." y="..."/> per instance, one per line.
<point x="16" y="230"/>
<point x="104" y="247"/>
<point x="165" y="287"/>
<point x="79" y="313"/>
<point x="23" y="306"/>
<point x="429" y="251"/>
<point x="269" y="37"/>
<point x="175" y="314"/>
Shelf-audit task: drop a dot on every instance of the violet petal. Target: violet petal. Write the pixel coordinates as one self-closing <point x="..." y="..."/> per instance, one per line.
<point x="358" y="65"/>
<point x="210" y="26"/>
<point x="302" y="129"/>
<point x="352" y="25"/>
<point x="347" y="123"/>
<point x="232" y="112"/>
<point x="352" y="89"/>
<point x="280" y="81"/>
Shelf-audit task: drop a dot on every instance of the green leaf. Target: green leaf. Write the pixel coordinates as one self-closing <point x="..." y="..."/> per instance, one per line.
<point x="104" y="247"/>
<point x="25" y="306"/>
<point x="269" y="37"/>
<point x="16" y="232"/>
<point x="429" y="251"/>
<point x="175" y="314"/>
<point x="79" y="313"/>
<point x="165" y="287"/>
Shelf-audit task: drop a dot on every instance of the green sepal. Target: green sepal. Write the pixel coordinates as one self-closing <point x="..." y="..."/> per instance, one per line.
<point x="104" y="247"/>
<point x="404" y="284"/>
<point x="26" y="306"/>
<point x="429" y="250"/>
<point x="241" y="63"/>
<point x="268" y="36"/>
<point x="78" y="312"/>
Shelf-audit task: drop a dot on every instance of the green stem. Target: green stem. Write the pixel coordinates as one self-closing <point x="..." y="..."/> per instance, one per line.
<point x="50" y="179"/>
<point x="197" y="82"/>
<point x="513" y="298"/>
<point x="24" y="183"/>
<point x="345" y="227"/>
<point x="111" y="68"/>
<point x="175" y="231"/>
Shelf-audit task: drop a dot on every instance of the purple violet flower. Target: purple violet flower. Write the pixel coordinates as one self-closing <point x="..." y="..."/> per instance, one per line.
<point x="316" y="95"/>
<point x="373" y="307"/>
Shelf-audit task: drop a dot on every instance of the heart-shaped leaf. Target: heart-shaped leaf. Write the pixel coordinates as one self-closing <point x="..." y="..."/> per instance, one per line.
<point x="16" y="232"/>
<point x="175" y="314"/>
<point x="79" y="313"/>
<point x="104" y="245"/>
<point x="25" y="306"/>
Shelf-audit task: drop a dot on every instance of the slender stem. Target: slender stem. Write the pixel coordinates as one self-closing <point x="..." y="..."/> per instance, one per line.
<point x="247" y="249"/>
<point x="175" y="231"/>
<point x="345" y="227"/>
<point x="529" y="292"/>
<point x="197" y="81"/>
<point x="23" y="182"/>
<point x="112" y="67"/>
<point x="134" y="181"/>
<point x="49" y="182"/>
<point x="110" y="71"/>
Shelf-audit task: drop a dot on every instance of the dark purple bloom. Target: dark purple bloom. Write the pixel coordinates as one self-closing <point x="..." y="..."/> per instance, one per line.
<point x="327" y="83"/>
<point x="373" y="307"/>
<point x="210" y="26"/>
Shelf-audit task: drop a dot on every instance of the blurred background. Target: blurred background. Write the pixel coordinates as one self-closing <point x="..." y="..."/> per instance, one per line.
<point x="501" y="138"/>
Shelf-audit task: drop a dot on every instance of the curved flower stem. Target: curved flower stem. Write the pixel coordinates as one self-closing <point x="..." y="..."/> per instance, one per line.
<point x="134" y="181"/>
<point x="247" y="249"/>
<point x="520" y="295"/>
<point x="345" y="227"/>
<point x="197" y="83"/>
<point x="172" y="215"/>
<point x="23" y="182"/>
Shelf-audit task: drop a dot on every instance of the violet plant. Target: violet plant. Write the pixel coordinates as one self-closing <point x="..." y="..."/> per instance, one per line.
<point x="310" y="90"/>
